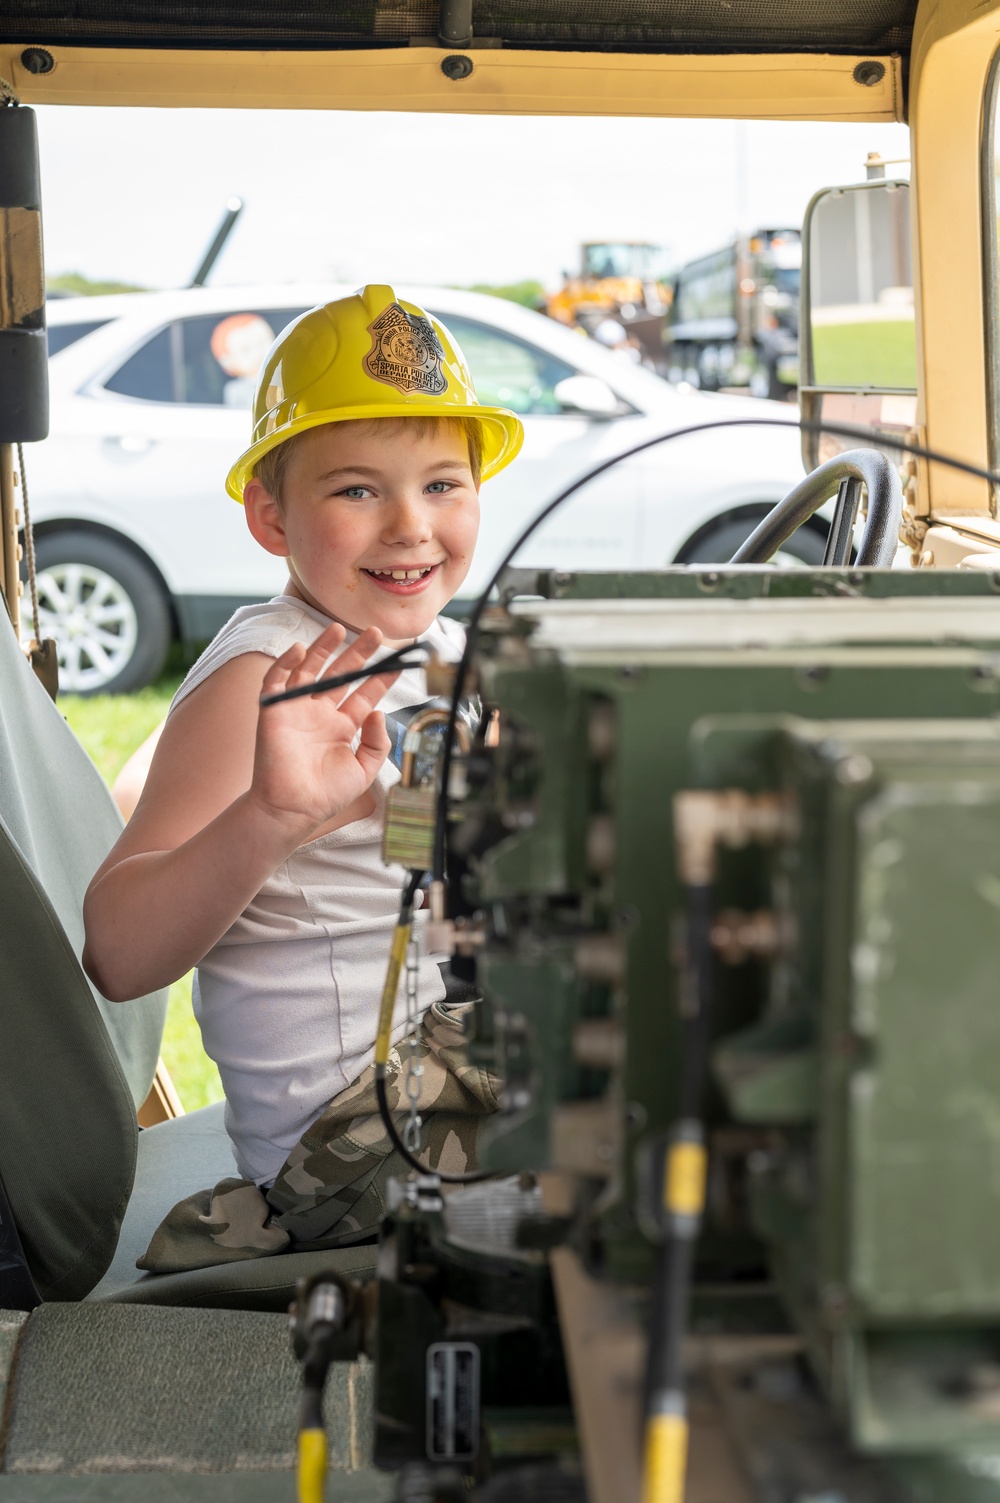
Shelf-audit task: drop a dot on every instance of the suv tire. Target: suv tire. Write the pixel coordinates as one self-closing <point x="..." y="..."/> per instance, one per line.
<point x="717" y="546"/>
<point x="106" y="609"/>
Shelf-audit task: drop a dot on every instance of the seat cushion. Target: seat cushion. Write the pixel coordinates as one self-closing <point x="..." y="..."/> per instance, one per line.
<point x="176" y="1159"/>
<point x="258" y="1284"/>
<point x="62" y="821"/>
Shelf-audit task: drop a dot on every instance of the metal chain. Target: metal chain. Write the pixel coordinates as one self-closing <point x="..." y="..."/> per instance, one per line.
<point x="413" y="1070"/>
<point x="8" y="94"/>
<point x="29" y="545"/>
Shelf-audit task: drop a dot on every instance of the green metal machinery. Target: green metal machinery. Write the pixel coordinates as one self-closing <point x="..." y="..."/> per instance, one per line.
<point x="818" y="755"/>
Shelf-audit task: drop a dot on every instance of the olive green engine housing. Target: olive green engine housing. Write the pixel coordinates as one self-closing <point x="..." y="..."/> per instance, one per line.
<point x="853" y="1093"/>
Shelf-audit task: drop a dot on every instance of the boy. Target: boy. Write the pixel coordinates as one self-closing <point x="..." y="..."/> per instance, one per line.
<point x="254" y="851"/>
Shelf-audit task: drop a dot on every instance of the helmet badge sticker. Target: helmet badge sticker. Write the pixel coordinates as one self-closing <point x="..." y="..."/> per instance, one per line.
<point x="406" y="353"/>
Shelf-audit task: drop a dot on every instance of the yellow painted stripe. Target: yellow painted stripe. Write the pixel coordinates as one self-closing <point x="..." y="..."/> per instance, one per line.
<point x="684" y="1179"/>
<point x="397" y="959"/>
<point x="665" y="1459"/>
<point x="312" y="1466"/>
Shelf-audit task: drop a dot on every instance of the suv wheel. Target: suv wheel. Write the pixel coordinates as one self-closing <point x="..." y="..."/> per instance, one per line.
<point x="717" y="546"/>
<point x="106" y="610"/>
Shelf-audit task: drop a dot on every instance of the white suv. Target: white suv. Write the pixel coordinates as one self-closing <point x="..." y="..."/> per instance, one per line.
<point x="137" y="542"/>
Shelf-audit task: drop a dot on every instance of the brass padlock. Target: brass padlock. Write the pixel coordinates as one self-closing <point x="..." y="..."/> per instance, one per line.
<point x="408" y="838"/>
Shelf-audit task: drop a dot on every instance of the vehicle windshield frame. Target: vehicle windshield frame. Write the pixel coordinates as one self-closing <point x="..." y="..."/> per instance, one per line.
<point x="991" y="261"/>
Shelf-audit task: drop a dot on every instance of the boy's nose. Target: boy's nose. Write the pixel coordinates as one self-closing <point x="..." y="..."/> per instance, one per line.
<point x="409" y="522"/>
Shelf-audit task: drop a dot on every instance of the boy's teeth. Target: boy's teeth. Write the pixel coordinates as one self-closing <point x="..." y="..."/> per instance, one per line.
<point x="400" y="573"/>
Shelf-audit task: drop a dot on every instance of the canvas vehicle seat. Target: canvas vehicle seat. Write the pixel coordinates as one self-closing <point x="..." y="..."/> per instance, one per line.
<point x="174" y="1160"/>
<point x="74" y="1067"/>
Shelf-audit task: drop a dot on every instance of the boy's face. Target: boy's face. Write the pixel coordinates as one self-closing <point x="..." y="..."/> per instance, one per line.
<point x="361" y="507"/>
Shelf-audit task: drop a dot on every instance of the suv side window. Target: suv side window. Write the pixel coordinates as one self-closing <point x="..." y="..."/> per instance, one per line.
<point x="507" y="372"/>
<point x="221" y="353"/>
<point x="209" y="360"/>
<point x="61" y="336"/>
<point x="148" y="373"/>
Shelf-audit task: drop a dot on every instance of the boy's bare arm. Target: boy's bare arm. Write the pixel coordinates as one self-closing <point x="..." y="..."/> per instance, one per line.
<point x="231" y="793"/>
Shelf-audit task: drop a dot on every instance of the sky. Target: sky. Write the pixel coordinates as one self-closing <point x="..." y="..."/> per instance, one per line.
<point x="135" y="195"/>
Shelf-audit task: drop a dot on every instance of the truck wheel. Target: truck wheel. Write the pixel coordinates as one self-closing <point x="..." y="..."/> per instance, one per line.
<point x="105" y="608"/>
<point x="708" y="369"/>
<point x="764" y="383"/>
<point x="718" y="544"/>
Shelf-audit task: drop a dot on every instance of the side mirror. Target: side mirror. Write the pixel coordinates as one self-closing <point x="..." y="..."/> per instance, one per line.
<point x="589" y="395"/>
<point x="859" y="348"/>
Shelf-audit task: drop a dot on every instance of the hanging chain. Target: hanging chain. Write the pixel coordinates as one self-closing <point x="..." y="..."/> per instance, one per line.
<point x="413" y="1070"/>
<point x="29" y="546"/>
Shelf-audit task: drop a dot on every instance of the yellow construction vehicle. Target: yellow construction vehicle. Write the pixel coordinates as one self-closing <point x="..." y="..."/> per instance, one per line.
<point x="621" y="283"/>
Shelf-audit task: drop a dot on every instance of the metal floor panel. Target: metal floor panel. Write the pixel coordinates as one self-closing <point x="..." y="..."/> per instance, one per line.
<point x="157" y="1487"/>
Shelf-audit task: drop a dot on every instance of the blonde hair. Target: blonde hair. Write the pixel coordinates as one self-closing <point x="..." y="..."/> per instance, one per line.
<point x="271" y="468"/>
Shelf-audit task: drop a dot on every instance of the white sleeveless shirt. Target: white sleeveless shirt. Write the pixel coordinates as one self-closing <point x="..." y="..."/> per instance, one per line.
<point x="288" y="998"/>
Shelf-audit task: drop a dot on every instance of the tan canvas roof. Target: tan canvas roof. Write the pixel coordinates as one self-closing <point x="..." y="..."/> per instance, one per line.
<point x="850" y="26"/>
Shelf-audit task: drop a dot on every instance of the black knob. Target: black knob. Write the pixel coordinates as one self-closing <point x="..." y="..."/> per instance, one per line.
<point x="37" y="60"/>
<point x="456" y="66"/>
<point x="869" y="73"/>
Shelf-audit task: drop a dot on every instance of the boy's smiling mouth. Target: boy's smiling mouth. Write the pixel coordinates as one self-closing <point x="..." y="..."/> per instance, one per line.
<point x="403" y="581"/>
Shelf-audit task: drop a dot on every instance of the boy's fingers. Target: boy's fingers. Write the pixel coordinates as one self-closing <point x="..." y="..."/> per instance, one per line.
<point x="363" y="699"/>
<point x="329" y="639"/>
<point x="373" y="748"/>
<point x="277" y="676"/>
<point x="301" y="665"/>
<point x="317" y="653"/>
<point x="322" y="664"/>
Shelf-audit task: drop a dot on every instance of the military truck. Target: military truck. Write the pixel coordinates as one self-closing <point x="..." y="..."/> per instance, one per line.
<point x="734" y="316"/>
<point x="726" y="882"/>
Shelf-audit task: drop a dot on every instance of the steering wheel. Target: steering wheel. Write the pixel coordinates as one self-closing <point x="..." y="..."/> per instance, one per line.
<point x="842" y="476"/>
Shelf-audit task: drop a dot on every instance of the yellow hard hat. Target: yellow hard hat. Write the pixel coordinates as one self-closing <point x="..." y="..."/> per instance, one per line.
<point x="367" y="356"/>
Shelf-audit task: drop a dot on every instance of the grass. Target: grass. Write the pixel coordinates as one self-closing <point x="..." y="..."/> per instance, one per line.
<point x="865" y="354"/>
<point x="192" y="1072"/>
<point x="529" y="294"/>
<point x="111" y="727"/>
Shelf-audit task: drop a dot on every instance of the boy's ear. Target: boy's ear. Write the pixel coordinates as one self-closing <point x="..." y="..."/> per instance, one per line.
<point x="264" y="519"/>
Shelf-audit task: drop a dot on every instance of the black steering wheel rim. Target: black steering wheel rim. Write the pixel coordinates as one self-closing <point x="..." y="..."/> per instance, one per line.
<point x="880" y="479"/>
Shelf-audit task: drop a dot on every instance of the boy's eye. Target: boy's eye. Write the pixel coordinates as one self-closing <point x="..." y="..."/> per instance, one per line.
<point x="439" y="487"/>
<point x="356" y="492"/>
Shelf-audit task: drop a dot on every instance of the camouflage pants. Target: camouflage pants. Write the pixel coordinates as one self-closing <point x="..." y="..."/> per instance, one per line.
<point x="331" y="1189"/>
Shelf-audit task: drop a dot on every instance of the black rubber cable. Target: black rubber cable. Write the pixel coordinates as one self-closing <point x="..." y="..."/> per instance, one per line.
<point x="393" y="662"/>
<point x="473" y="1177"/>
<point x="412" y="888"/>
<point x="314" y="1374"/>
<point x="381" y="1092"/>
